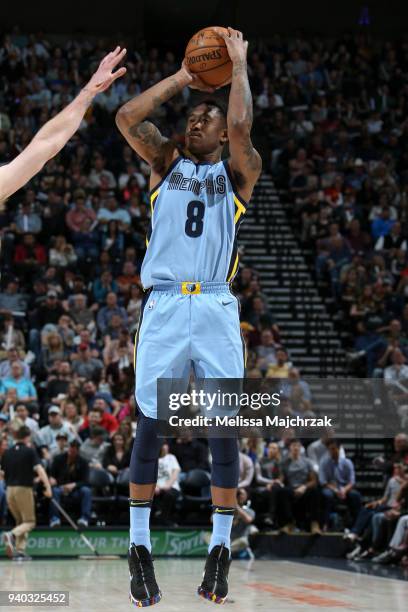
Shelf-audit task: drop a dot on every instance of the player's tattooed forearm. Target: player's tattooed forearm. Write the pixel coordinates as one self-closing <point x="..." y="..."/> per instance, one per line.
<point x="243" y="89"/>
<point x="172" y="90"/>
<point x="239" y="67"/>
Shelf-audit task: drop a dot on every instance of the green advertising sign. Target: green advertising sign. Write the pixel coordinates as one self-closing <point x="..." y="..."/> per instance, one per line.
<point x="61" y="542"/>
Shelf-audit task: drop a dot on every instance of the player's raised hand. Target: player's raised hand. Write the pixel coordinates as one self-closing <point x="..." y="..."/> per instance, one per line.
<point x="195" y="81"/>
<point x="236" y="45"/>
<point x="104" y="76"/>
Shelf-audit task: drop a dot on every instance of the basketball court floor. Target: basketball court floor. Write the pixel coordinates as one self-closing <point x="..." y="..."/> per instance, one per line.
<point x="280" y="586"/>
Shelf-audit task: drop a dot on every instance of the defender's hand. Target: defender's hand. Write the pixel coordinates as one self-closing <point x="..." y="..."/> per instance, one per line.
<point x="104" y="76"/>
<point x="237" y="47"/>
<point x="194" y="81"/>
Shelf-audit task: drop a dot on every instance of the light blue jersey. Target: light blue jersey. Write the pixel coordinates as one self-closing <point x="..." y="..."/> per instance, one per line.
<point x="195" y="220"/>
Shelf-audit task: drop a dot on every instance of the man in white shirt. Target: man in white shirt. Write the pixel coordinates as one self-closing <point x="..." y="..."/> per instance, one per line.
<point x="21" y="413"/>
<point x="167" y="488"/>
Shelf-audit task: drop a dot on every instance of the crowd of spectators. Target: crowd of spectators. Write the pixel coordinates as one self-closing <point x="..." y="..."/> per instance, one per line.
<point x="73" y="241"/>
<point x="335" y="114"/>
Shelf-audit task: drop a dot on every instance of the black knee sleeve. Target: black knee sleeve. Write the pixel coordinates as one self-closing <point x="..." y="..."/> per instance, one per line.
<point x="145" y="452"/>
<point x="225" y="462"/>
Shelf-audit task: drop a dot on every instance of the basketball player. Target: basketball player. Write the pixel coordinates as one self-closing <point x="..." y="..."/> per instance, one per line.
<point x="190" y="318"/>
<point x="55" y="133"/>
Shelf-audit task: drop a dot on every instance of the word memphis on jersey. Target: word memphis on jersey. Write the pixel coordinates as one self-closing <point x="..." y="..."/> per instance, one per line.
<point x="241" y="421"/>
<point x="211" y="185"/>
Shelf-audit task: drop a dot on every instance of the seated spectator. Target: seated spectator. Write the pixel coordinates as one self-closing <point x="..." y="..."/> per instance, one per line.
<point x="398" y="370"/>
<point x="91" y="393"/>
<point x="106" y="313"/>
<point x="383" y="526"/>
<point x="189" y="452"/>
<point x="80" y="312"/>
<point x="337" y="478"/>
<point x="29" y="258"/>
<point x="293" y="383"/>
<point x="99" y="173"/>
<point x="53" y="351"/>
<point x="269" y="476"/>
<point x="398" y="546"/>
<point x="13" y="357"/>
<point x="365" y="517"/>
<point x="98" y="416"/>
<point x="61" y="447"/>
<point x="58" y="382"/>
<point x="85" y="337"/>
<point x="24" y="387"/>
<point x="62" y="254"/>
<point x="12" y="301"/>
<point x="113" y="353"/>
<point x="65" y="329"/>
<point x="71" y="415"/>
<point x="317" y="450"/>
<point x="113" y="212"/>
<point x="242" y="525"/>
<point x="69" y="478"/>
<point x="86" y="366"/>
<point x="126" y="429"/>
<point x="48" y="313"/>
<point x="400" y="455"/>
<point x="104" y="285"/>
<point x="94" y="447"/>
<point x="282" y="366"/>
<point x="299" y="498"/>
<point x="10" y="400"/>
<point x="167" y="488"/>
<point x="284" y="443"/>
<point x="47" y="436"/>
<point x="114" y="327"/>
<point x="113" y="242"/>
<point x="116" y="457"/>
<point x="86" y="242"/>
<point x="128" y="277"/>
<point x="10" y="337"/>
<point x="266" y="351"/>
<point x="381" y="226"/>
<point x="133" y="306"/>
<point x="246" y="471"/>
<point x="76" y="216"/>
<point x="22" y="413"/>
<point x="393" y="240"/>
<point x="27" y="221"/>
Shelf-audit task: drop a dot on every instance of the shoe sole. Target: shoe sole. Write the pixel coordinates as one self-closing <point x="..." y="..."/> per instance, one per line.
<point x="9" y="548"/>
<point x="143" y="603"/>
<point x="211" y="596"/>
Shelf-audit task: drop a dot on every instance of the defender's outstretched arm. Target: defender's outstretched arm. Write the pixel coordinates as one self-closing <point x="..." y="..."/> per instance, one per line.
<point x="55" y="133"/>
<point x="245" y="162"/>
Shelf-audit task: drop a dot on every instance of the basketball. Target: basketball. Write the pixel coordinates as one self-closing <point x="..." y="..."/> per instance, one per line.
<point x="207" y="55"/>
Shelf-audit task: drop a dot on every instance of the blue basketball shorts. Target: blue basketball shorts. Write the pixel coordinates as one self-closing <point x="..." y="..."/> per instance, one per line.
<point x="184" y="327"/>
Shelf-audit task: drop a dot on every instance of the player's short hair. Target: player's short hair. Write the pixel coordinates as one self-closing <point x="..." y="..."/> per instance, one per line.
<point x="211" y="103"/>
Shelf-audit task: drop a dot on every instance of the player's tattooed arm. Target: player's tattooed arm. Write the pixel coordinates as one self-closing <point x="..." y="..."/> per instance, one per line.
<point x="245" y="161"/>
<point x="142" y="135"/>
